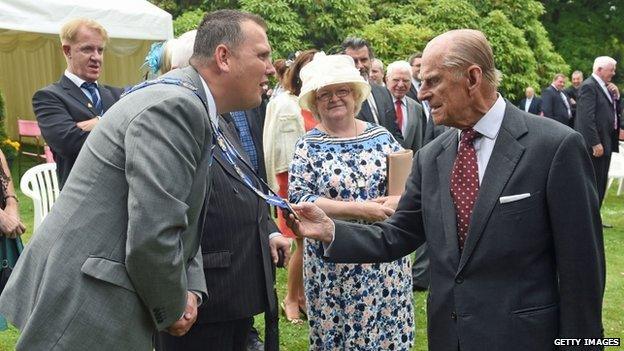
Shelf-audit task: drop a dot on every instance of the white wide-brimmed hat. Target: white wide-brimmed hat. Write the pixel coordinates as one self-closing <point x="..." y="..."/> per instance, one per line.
<point x="326" y="70"/>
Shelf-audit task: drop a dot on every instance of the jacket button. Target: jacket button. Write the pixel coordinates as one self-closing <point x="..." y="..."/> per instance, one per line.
<point x="459" y="280"/>
<point x="454" y="316"/>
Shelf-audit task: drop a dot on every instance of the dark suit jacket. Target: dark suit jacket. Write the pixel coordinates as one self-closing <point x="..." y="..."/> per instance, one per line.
<point x="573" y="93"/>
<point x="516" y="285"/>
<point x="385" y="111"/>
<point x="58" y="107"/>
<point x="235" y="244"/>
<point x="595" y="117"/>
<point x="535" y="107"/>
<point x="413" y="93"/>
<point x="416" y="124"/>
<point x="553" y="106"/>
<point x="432" y="131"/>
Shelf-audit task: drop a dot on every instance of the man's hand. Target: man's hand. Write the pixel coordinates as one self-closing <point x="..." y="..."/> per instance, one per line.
<point x="182" y="325"/>
<point x="572" y="101"/>
<point x="597" y="150"/>
<point x="314" y="223"/>
<point x="614" y="90"/>
<point x="88" y="125"/>
<point x="279" y="244"/>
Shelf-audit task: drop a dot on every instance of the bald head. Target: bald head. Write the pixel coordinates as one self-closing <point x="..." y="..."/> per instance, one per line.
<point x="459" y="49"/>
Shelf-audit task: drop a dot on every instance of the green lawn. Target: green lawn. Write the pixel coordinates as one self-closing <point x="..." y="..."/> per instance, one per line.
<point x="294" y="337"/>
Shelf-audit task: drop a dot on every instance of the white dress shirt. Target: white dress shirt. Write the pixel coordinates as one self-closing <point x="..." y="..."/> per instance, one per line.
<point x="527" y="104"/>
<point x="488" y="126"/>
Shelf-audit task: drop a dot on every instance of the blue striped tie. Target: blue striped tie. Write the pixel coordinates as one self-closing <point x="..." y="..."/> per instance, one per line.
<point x="92" y="88"/>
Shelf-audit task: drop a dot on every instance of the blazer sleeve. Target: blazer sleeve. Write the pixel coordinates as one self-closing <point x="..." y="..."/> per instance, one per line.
<point x="57" y="126"/>
<point x="384" y="241"/>
<point x="586" y="115"/>
<point x="163" y="150"/>
<point x="547" y="103"/>
<point x="577" y="240"/>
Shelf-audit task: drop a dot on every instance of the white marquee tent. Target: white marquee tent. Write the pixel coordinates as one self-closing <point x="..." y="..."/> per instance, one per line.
<point x="30" y="49"/>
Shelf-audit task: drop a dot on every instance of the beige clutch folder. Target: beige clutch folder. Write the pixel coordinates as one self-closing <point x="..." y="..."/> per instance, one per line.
<point x="399" y="167"/>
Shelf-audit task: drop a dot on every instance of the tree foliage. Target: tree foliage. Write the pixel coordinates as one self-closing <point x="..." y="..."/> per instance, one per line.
<point x="583" y="30"/>
<point x="398" y="28"/>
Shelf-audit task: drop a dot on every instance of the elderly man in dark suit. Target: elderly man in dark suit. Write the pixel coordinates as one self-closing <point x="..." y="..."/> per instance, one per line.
<point x="530" y="103"/>
<point x="597" y="113"/>
<point x="508" y="207"/>
<point x="378" y="107"/>
<point x="68" y="110"/>
<point x="555" y="102"/>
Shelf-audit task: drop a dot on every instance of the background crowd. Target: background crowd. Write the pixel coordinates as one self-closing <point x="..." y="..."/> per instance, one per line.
<point x="322" y="135"/>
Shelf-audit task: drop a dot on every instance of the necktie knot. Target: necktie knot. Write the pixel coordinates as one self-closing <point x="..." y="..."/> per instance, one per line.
<point x="89" y="85"/>
<point x="469" y="135"/>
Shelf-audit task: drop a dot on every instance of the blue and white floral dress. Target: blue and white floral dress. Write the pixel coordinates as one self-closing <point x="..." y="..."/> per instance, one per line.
<point x="351" y="306"/>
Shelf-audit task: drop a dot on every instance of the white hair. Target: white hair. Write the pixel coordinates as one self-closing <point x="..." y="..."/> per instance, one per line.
<point x="182" y="49"/>
<point x="603" y="62"/>
<point x="399" y="66"/>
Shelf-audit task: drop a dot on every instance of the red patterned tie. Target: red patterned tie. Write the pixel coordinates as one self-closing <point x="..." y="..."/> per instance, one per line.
<point x="399" y="114"/>
<point x="465" y="183"/>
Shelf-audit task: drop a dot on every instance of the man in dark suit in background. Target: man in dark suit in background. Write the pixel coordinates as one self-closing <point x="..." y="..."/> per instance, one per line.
<point x="508" y="208"/>
<point x="555" y="102"/>
<point x="574" y="90"/>
<point x="378" y="107"/>
<point x="70" y="108"/>
<point x="531" y="103"/>
<point x="598" y="109"/>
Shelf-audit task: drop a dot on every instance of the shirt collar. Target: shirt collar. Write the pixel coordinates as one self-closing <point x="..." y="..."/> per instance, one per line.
<point x="600" y="81"/>
<point x="552" y="85"/>
<point x="212" y="105"/>
<point x="403" y="102"/>
<point x="75" y="79"/>
<point x="489" y="125"/>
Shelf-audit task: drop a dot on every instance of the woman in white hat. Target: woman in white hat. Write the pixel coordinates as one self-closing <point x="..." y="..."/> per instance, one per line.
<point x="341" y="166"/>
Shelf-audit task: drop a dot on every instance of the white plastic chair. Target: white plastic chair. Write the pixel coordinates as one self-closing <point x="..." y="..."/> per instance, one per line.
<point x="41" y="185"/>
<point x="616" y="170"/>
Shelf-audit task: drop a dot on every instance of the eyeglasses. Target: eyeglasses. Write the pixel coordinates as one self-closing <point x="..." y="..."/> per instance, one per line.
<point x="340" y="93"/>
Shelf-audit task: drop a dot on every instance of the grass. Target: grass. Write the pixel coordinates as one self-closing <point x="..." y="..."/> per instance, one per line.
<point x="295" y="337"/>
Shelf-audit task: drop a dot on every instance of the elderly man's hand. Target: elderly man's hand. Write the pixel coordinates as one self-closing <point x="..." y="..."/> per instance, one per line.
<point x="314" y="223"/>
<point x="182" y="325"/>
<point x="280" y="245"/>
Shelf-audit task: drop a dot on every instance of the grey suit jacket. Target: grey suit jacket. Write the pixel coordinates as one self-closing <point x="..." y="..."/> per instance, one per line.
<point x="415" y="129"/>
<point x="114" y="259"/>
<point x="516" y="285"/>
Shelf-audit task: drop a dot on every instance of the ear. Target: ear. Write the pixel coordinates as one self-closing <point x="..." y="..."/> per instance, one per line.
<point x="475" y="77"/>
<point x="66" y="50"/>
<point x="222" y="57"/>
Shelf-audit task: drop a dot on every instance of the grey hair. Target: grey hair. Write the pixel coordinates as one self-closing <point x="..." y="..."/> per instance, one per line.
<point x="399" y="66"/>
<point x="356" y="43"/>
<point x="472" y="48"/>
<point x="577" y="73"/>
<point x="380" y="62"/>
<point x="603" y="61"/>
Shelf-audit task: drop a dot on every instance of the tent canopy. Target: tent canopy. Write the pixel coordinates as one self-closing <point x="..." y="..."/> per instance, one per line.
<point x="30" y="49"/>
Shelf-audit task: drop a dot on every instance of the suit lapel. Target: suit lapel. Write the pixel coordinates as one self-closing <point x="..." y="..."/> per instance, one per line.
<point x="599" y="88"/>
<point x="75" y="92"/>
<point x="444" y="161"/>
<point x="505" y="156"/>
<point x="365" y="113"/>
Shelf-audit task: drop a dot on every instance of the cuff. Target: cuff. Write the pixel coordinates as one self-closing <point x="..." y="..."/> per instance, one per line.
<point x="274" y="235"/>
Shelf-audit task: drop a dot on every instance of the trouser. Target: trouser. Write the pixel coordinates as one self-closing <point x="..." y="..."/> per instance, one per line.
<point x="219" y="336"/>
<point x="601" y="170"/>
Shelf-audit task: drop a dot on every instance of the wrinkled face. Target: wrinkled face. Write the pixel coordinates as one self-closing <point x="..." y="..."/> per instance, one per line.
<point x="377" y="73"/>
<point x="606" y="73"/>
<point x="335" y="102"/>
<point x="399" y="83"/>
<point x="447" y="94"/>
<point x="529" y="93"/>
<point x="416" y="63"/>
<point x="577" y="79"/>
<point x="251" y="66"/>
<point x="559" y="83"/>
<point x="86" y="55"/>
<point x="362" y="60"/>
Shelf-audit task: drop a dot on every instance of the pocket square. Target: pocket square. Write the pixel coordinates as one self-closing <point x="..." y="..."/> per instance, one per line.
<point x="512" y="198"/>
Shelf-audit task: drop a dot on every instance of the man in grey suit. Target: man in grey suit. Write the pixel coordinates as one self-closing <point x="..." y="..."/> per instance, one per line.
<point x="508" y="208"/>
<point x="118" y="256"/>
